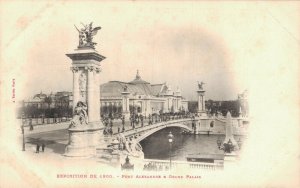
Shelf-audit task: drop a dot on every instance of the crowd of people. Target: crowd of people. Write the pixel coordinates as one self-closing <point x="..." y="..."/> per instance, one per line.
<point x="138" y="120"/>
<point x="38" y="146"/>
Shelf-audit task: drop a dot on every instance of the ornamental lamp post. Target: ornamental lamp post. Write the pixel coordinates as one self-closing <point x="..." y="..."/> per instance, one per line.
<point x="170" y="139"/>
<point x="219" y="142"/>
<point x="227" y="147"/>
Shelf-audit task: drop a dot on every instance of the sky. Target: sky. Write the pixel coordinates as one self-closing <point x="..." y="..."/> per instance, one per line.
<point x="177" y="43"/>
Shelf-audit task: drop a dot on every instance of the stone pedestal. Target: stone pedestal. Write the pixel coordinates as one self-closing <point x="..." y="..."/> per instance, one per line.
<point x="126" y="115"/>
<point x="201" y="103"/>
<point x="230" y="160"/>
<point x="229" y="131"/>
<point x="83" y="141"/>
<point x="125" y="104"/>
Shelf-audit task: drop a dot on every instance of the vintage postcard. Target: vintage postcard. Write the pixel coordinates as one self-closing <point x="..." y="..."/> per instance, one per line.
<point x="153" y="94"/>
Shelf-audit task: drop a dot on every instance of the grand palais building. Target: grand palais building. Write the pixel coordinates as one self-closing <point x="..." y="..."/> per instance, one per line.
<point x="144" y="98"/>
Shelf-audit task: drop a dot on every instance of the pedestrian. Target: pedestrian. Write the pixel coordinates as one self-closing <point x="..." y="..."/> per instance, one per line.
<point x="121" y="146"/>
<point x="30" y="125"/>
<point x="131" y="121"/>
<point x="118" y="129"/>
<point x="43" y="147"/>
<point x="37" y="148"/>
<point x="123" y="120"/>
<point x="160" y="168"/>
<point x="111" y="122"/>
<point x="142" y="121"/>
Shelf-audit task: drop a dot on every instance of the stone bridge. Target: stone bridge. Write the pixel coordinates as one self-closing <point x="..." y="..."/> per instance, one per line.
<point x="132" y="138"/>
<point x="147" y="130"/>
<point x="203" y="125"/>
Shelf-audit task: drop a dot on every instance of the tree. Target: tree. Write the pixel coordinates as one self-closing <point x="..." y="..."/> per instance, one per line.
<point x="48" y="100"/>
<point x="192" y="106"/>
<point x="172" y="109"/>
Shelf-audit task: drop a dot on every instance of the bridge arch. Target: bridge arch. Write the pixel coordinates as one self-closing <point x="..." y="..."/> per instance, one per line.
<point x="154" y="130"/>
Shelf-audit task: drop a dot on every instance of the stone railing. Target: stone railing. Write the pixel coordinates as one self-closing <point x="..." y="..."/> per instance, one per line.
<point x="43" y="121"/>
<point x="163" y="164"/>
<point x="44" y="127"/>
<point x="141" y="130"/>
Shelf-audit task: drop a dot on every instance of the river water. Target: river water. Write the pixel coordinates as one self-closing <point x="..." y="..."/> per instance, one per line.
<point x="156" y="146"/>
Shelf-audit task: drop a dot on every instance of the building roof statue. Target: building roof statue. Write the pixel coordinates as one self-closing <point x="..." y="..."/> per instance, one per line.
<point x="137" y="75"/>
<point x="125" y="88"/>
<point x="41" y="96"/>
<point x="169" y="90"/>
<point x="200" y="85"/>
<point x="243" y="95"/>
<point x="178" y="92"/>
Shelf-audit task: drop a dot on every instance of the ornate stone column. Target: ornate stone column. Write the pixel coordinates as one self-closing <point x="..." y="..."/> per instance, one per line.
<point x="115" y="107"/>
<point x="148" y="107"/>
<point x="91" y="94"/>
<point x="106" y="108"/>
<point x="97" y="93"/>
<point x="179" y="103"/>
<point x="75" y="71"/>
<point x="85" y="136"/>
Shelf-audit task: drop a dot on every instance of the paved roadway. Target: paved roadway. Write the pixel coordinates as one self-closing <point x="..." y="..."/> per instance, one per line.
<point x="55" y="136"/>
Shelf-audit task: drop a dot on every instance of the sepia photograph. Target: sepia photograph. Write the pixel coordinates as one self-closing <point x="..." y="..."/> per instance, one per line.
<point x="149" y="93"/>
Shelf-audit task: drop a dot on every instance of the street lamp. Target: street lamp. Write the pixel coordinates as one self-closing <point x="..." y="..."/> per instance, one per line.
<point x="133" y="119"/>
<point x="170" y="139"/>
<point x="23" y="145"/>
<point x="239" y="142"/>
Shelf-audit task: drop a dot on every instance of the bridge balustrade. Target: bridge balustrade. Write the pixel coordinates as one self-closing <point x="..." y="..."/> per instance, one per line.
<point x="153" y="126"/>
<point x="184" y="164"/>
